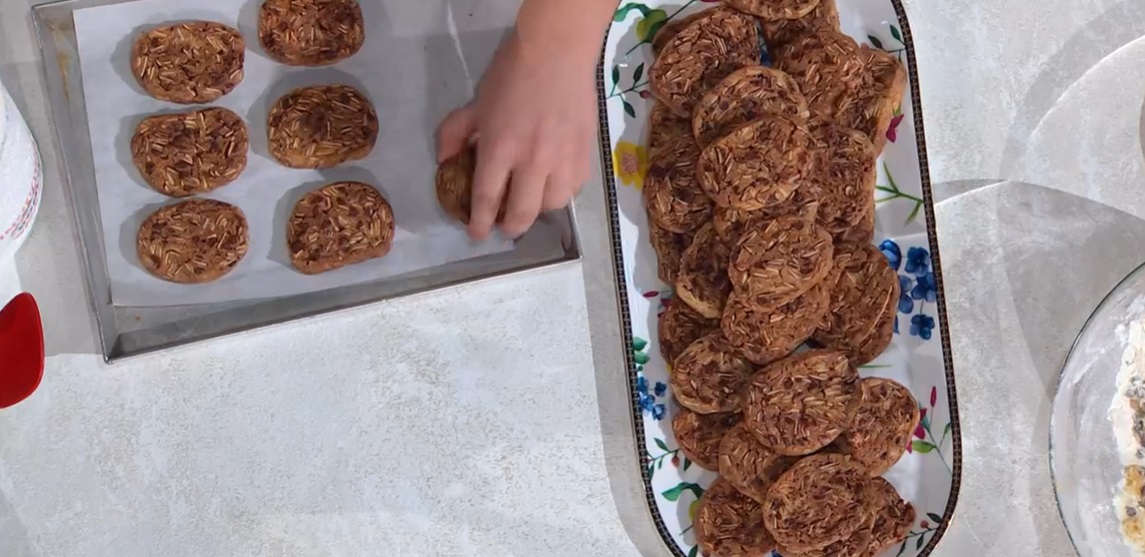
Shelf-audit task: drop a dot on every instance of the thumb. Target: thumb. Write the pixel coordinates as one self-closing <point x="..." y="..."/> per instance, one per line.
<point x="454" y="132"/>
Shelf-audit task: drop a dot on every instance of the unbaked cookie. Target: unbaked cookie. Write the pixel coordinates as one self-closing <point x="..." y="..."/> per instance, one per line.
<point x="322" y="127"/>
<point x="703" y="278"/>
<point x="743" y="97"/>
<point x="311" y="32"/>
<point x="749" y="465"/>
<point x="821" y="500"/>
<point x="729" y="524"/>
<point x="679" y="327"/>
<point x="802" y="403"/>
<point x="699" y="435"/>
<point x="882" y="427"/>
<point x="672" y="196"/>
<point x="709" y="376"/>
<point x="189" y="63"/>
<point x="778" y="33"/>
<point x="776" y="264"/>
<point x="764" y="336"/>
<point x="845" y="172"/>
<point x="864" y="299"/>
<point x="339" y="225"/>
<point x="192" y="242"/>
<point x="759" y="165"/>
<point x="191" y="153"/>
<point x="669" y="248"/>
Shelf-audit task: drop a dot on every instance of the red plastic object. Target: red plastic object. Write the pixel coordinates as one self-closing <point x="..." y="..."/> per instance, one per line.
<point x="21" y="350"/>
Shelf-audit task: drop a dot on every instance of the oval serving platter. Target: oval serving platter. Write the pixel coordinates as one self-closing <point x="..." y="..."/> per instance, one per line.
<point x="919" y="357"/>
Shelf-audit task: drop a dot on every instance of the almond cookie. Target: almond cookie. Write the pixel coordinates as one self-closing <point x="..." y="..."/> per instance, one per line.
<point x="845" y="173"/>
<point x="893" y="517"/>
<point x="749" y="465"/>
<point x="757" y="166"/>
<point x="743" y="97"/>
<point x="766" y="336"/>
<point x="679" y="327"/>
<point x="192" y="242"/>
<point x="776" y="264"/>
<point x="709" y="376"/>
<point x="821" y="500"/>
<point x="703" y="278"/>
<point x="311" y="32"/>
<point x="339" y="225"/>
<point x="699" y="435"/>
<point x="828" y="69"/>
<point x="186" y="154"/>
<point x="669" y="248"/>
<point x="189" y="63"/>
<point x="802" y="403"/>
<point x="674" y="199"/>
<point x="862" y="233"/>
<point x="322" y="127"/>
<point x="729" y="524"/>
<point x="454" y="183"/>
<point x="702" y="54"/>
<point x="665" y="128"/>
<point x="778" y="33"/>
<point x="878" y="434"/>
<point x="877" y="94"/>
<point x="864" y="299"/>
<point x="672" y="28"/>
<point x="731" y="224"/>
<point x="775" y="9"/>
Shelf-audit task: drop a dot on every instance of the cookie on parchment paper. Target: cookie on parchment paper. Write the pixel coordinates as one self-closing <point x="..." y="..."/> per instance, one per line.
<point x="702" y="281"/>
<point x="194" y="241"/>
<point x="338" y="225"/>
<point x="775" y="9"/>
<point x="311" y="32"/>
<point x="454" y="184"/>
<point x="701" y="55"/>
<point x="189" y="63"/>
<point x="827" y="67"/>
<point x="802" y="403"/>
<point x="672" y="196"/>
<point x="322" y="127"/>
<point x="821" y="500"/>
<point x="729" y="523"/>
<point x="877" y="94"/>
<point x="778" y="33"/>
<point x="180" y="155"/>
<point x="864" y="299"/>
<point x="758" y="165"/>
<point x="743" y="97"/>
<point x="845" y="172"/>
<point x="882" y="427"/>
<point x="669" y="248"/>
<point x="679" y="327"/>
<point x="669" y="30"/>
<point x="709" y="376"/>
<point x="749" y="465"/>
<point x="699" y="435"/>
<point x="764" y="336"/>
<point x="779" y="262"/>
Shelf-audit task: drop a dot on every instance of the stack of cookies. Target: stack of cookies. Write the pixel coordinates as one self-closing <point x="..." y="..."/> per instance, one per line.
<point x="760" y="199"/>
<point x="192" y="153"/>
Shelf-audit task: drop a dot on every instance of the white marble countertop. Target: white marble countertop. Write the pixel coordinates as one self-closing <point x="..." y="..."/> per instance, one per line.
<point x="425" y="427"/>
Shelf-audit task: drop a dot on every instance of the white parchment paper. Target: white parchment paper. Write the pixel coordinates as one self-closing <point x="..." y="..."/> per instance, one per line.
<point x="412" y="72"/>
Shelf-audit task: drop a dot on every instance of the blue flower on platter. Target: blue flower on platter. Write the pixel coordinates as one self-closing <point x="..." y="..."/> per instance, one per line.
<point x="658" y="412"/>
<point x="642" y="385"/>
<point x="660" y="389"/>
<point x="648" y="400"/>
<point x="925" y="288"/>
<point x="906" y="304"/>
<point x="921" y="326"/>
<point x="917" y="261"/>
<point x="892" y="252"/>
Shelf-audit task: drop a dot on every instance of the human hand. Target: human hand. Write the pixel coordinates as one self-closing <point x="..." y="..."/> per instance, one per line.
<point x="534" y="115"/>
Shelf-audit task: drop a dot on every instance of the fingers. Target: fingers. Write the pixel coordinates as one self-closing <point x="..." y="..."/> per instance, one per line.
<point x="494" y="162"/>
<point x="567" y="182"/>
<point x="454" y="132"/>
<point x="525" y="198"/>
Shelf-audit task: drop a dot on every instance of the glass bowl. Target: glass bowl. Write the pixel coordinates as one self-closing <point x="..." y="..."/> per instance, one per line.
<point x="1084" y="459"/>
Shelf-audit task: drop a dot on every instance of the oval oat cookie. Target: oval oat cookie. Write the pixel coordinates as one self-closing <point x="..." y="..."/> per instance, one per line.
<point x="882" y="427"/>
<point x="311" y="32"/>
<point x="864" y="300"/>
<point x="743" y="97"/>
<point x="709" y="376"/>
<point x="702" y="281"/>
<point x="192" y="242"/>
<point x="699" y="435"/>
<point x="781" y="261"/>
<point x="679" y="327"/>
<point x="827" y="67"/>
<point x="339" y="225"/>
<point x="821" y="500"/>
<point x="765" y="335"/>
<point x="845" y="172"/>
<point x="180" y="155"/>
<point x="757" y="166"/>
<point x="749" y="465"/>
<point x="729" y="524"/>
<point x="802" y="403"/>
<point x="671" y="194"/>
<point x="189" y="63"/>
<point x="322" y="127"/>
<point x="732" y="224"/>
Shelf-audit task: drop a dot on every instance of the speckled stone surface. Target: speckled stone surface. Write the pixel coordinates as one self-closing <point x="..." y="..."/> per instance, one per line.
<point x="483" y="420"/>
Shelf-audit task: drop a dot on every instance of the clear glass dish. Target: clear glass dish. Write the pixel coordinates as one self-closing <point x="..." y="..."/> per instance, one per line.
<point x="1084" y="458"/>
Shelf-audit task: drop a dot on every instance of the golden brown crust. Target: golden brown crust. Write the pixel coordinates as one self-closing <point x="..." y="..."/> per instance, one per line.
<point x="699" y="435"/>
<point x="878" y="434"/>
<point x="776" y="264"/>
<point x="679" y="327"/>
<point x="821" y="500"/>
<point x="749" y="465"/>
<point x="703" y="278"/>
<point x="669" y="248"/>
<point x="674" y="199"/>
<point x="845" y="172"/>
<point x="339" y="225"/>
<point x="709" y="376"/>
<point x="311" y="32"/>
<point x="729" y="524"/>
<point x="757" y="166"/>
<point x="863" y="301"/>
<point x="322" y="127"/>
<point x="193" y="242"/>
<point x="802" y="403"/>
<point x="877" y="94"/>
<point x="775" y="9"/>
<point x="195" y="152"/>
<point x="764" y="336"/>
<point x="731" y="224"/>
<point x="189" y="63"/>
<point x="743" y="97"/>
<point x="454" y="183"/>
<point x="893" y="517"/>
<point x="781" y="32"/>
<point x="700" y="55"/>
<point x="827" y="67"/>
<point x="669" y="30"/>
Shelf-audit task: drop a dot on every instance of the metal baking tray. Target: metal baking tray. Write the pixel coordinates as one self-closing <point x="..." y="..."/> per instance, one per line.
<point x="130" y="331"/>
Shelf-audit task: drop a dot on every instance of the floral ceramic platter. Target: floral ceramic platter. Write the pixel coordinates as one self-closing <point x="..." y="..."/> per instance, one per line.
<point x="919" y="357"/>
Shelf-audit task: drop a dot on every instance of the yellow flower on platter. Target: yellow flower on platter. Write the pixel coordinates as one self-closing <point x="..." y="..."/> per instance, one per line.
<point x="630" y="162"/>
